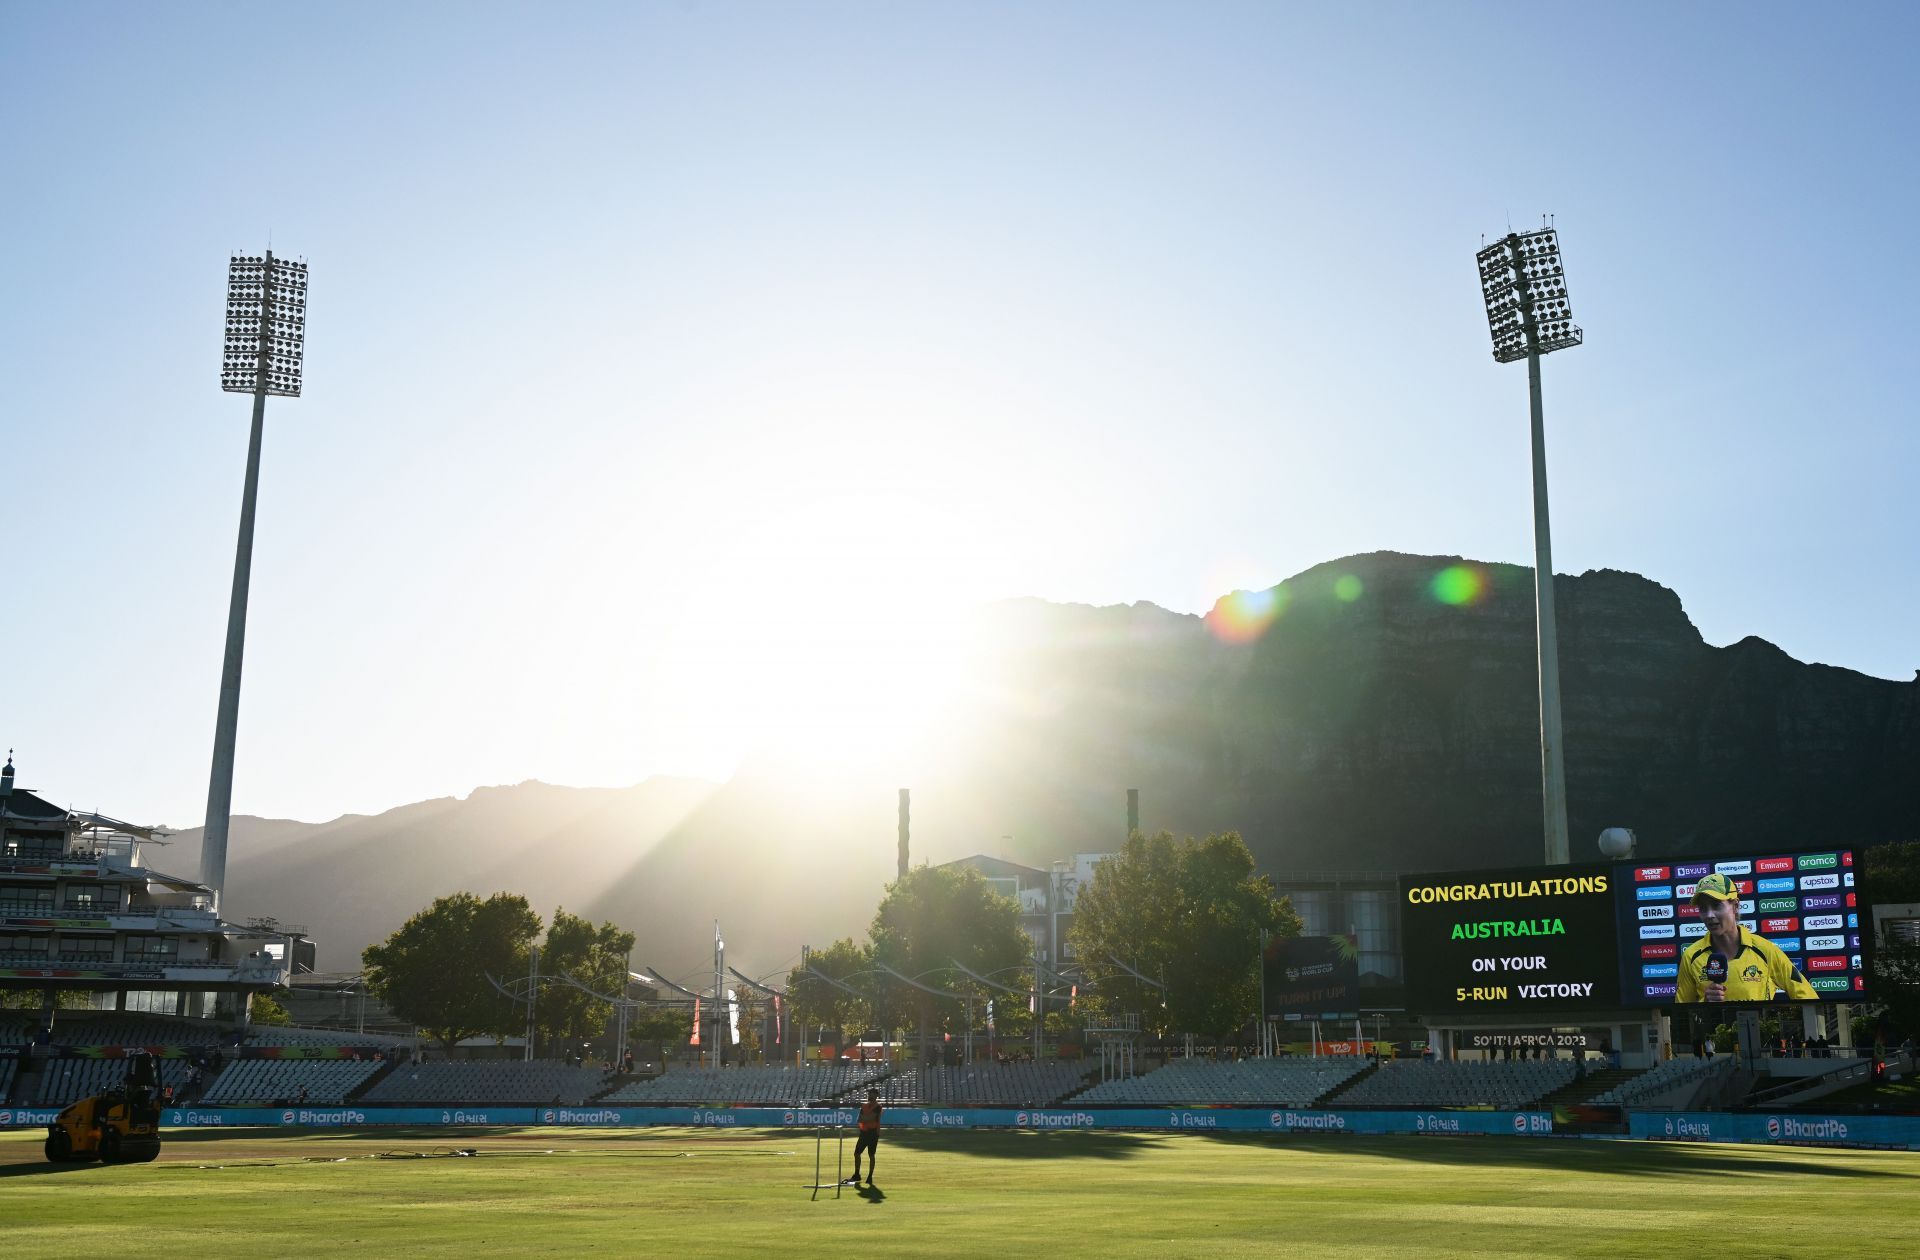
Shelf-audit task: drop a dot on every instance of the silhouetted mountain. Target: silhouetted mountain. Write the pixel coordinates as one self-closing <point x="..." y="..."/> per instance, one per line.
<point x="1387" y="719"/>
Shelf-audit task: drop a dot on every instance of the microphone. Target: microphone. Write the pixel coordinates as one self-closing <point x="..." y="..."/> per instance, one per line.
<point x="1716" y="972"/>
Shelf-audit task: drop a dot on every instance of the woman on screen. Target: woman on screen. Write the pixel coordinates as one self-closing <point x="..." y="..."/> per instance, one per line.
<point x="1729" y="963"/>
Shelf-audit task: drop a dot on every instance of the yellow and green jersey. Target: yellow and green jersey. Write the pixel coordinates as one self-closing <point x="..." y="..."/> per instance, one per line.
<point x="1755" y="974"/>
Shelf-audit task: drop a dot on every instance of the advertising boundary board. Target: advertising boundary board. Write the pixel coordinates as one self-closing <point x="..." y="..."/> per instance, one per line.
<point x="1869" y="1132"/>
<point x="1887" y="1133"/>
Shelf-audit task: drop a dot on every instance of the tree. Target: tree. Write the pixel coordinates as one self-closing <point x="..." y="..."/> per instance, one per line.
<point x="815" y="1001"/>
<point x="44" y="999"/>
<point x="668" y="1023"/>
<point x="265" y="1008"/>
<point x="749" y="1010"/>
<point x="592" y="956"/>
<point x="434" y="971"/>
<point x="936" y="916"/>
<point x="1189" y="914"/>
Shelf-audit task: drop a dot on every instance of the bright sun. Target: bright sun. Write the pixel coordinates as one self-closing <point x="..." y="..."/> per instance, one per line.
<point x="840" y="645"/>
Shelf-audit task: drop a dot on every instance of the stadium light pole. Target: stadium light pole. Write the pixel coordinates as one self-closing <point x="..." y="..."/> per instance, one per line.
<point x="1525" y="289"/>
<point x="266" y="339"/>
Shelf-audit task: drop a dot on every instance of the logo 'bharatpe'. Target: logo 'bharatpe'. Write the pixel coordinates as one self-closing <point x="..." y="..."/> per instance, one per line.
<point x="1318" y="1121"/>
<point x="835" y="1115"/>
<point x="564" y="1116"/>
<point x="1789" y="1129"/>
<point x="1053" y="1120"/>
<point x="344" y="1115"/>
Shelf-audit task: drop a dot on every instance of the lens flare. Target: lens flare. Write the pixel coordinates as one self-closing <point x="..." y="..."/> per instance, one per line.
<point x="1244" y="616"/>
<point x="1458" y="584"/>
<point x="1347" y="589"/>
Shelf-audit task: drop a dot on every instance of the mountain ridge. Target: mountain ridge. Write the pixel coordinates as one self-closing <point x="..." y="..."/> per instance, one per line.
<point x="1386" y="718"/>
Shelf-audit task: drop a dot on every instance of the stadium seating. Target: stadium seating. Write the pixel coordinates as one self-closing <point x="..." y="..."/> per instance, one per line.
<point x="16" y="1028"/>
<point x="114" y="1028"/>
<point x="763" y="1084"/>
<point x="68" y="1080"/>
<point x="1009" y="1084"/>
<point x="7" y="1069"/>
<point x="1276" y="1082"/>
<point x="499" y="1082"/>
<point x="266" y="1035"/>
<point x="279" y="1081"/>
<point x="1666" y="1078"/>
<point x="1416" y="1083"/>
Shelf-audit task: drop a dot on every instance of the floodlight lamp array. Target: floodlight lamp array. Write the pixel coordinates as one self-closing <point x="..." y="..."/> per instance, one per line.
<point x="266" y="326"/>
<point x="1525" y="288"/>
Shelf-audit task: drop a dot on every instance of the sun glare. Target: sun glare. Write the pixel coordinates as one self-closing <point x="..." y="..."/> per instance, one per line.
<point x="838" y="646"/>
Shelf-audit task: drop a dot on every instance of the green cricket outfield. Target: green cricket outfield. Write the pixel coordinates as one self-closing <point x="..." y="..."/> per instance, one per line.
<point x="1056" y="1196"/>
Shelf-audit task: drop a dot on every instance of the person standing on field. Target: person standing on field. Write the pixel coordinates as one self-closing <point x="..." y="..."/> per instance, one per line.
<point x="869" y="1135"/>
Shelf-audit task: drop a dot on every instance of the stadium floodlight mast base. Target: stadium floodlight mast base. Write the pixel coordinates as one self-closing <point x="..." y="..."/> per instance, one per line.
<point x="265" y="342"/>
<point x="1529" y="315"/>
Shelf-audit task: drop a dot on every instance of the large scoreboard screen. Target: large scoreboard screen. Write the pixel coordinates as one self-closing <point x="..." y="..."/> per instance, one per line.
<point x="1478" y="940"/>
<point x="1805" y="905"/>
<point x="1618" y="934"/>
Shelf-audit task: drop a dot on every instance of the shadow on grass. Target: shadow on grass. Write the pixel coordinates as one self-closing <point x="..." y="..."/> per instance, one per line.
<point x="1001" y="1144"/>
<point x="41" y="1168"/>
<point x="871" y="1194"/>
<point x="1615" y="1157"/>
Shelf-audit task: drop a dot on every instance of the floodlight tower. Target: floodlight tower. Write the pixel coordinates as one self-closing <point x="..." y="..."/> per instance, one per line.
<point x="266" y="337"/>
<point x="1525" y="289"/>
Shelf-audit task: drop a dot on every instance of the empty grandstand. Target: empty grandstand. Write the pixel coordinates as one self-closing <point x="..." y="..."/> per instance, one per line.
<point x="1670" y="1084"/>
<point x="62" y="1081"/>
<point x="282" y="1081"/>
<point x="765" y="1085"/>
<point x="539" y="1082"/>
<point x="263" y="1035"/>
<point x="110" y="1028"/>
<point x="1282" y="1082"/>
<point x="1415" y="1083"/>
<point x="1006" y="1084"/>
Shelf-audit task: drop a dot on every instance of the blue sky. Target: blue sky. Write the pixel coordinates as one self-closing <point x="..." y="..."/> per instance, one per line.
<point x="663" y="354"/>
